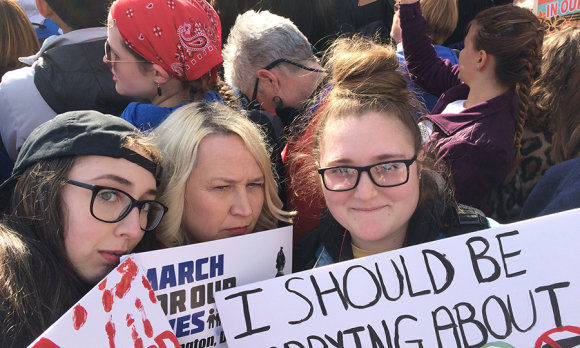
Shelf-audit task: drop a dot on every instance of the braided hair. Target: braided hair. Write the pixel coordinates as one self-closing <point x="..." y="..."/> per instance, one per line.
<point x="513" y="36"/>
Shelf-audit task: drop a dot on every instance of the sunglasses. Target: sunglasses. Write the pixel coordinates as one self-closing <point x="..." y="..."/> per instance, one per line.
<point x="276" y="62"/>
<point x="110" y="61"/>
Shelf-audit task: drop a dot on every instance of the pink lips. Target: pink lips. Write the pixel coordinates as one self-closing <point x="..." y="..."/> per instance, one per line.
<point x="367" y="210"/>
<point x="112" y="256"/>
<point x="238" y="230"/>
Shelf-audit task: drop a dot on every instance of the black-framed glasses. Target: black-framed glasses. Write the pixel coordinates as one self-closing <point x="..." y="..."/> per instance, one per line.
<point x="110" y="61"/>
<point x="276" y="62"/>
<point x="111" y="205"/>
<point x="384" y="174"/>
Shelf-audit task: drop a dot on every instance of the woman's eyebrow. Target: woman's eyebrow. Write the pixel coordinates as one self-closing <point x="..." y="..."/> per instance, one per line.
<point x="123" y="182"/>
<point x="116" y="179"/>
<point x="382" y="157"/>
<point x="339" y="161"/>
<point x="390" y="156"/>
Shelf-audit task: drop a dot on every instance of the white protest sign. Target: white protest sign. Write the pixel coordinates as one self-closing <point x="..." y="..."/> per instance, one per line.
<point x="185" y="279"/>
<point x="516" y="285"/>
<point x="121" y="311"/>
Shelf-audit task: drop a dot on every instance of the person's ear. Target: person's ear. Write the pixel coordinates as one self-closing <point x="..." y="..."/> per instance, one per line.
<point x="268" y="80"/>
<point x="482" y="60"/>
<point x="161" y="76"/>
<point x="44" y="9"/>
<point x="420" y="158"/>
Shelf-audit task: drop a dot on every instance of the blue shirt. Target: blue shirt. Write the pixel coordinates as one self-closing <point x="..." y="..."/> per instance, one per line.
<point x="148" y="116"/>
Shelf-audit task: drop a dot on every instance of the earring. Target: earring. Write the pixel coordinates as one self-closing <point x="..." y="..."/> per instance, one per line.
<point x="158" y="90"/>
<point x="477" y="67"/>
<point x="419" y="176"/>
<point x="278" y="102"/>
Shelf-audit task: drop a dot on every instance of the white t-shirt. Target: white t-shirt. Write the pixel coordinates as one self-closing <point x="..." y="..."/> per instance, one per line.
<point x="426" y="126"/>
<point x="454" y="107"/>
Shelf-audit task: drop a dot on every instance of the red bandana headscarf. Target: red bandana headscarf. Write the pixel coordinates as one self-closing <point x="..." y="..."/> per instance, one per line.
<point x="182" y="36"/>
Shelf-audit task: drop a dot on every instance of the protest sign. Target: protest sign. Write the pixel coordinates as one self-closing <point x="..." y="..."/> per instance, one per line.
<point x="557" y="13"/>
<point x="121" y="311"/>
<point x="185" y="279"/>
<point x="515" y="285"/>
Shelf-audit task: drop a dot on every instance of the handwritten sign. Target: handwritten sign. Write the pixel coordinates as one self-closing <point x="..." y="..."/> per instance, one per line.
<point x="121" y="311"/>
<point x="516" y="285"/>
<point x="186" y="278"/>
<point x="558" y="13"/>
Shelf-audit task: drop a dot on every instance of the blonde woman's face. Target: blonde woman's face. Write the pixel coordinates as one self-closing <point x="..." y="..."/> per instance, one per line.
<point x="376" y="217"/>
<point x="224" y="194"/>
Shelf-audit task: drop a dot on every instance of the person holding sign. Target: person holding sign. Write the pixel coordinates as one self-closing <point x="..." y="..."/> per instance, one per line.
<point x="381" y="189"/>
<point x="218" y="181"/>
<point x="476" y="127"/>
<point x="82" y="195"/>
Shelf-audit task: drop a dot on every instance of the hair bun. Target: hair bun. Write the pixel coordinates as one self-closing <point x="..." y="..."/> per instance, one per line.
<point x="363" y="68"/>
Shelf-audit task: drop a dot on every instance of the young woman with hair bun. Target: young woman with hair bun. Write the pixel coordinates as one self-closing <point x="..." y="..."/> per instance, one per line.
<point x="382" y="191"/>
<point x="477" y="125"/>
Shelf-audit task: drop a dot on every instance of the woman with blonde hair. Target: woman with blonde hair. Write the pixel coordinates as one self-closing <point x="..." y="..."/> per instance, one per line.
<point x="218" y="179"/>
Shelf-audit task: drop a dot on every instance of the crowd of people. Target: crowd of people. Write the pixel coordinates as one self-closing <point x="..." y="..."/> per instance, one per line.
<point x="370" y="133"/>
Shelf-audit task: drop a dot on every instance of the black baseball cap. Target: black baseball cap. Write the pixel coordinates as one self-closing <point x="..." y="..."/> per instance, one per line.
<point x="76" y="133"/>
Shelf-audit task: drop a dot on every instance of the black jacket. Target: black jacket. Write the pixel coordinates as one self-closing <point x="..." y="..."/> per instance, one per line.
<point x="74" y="77"/>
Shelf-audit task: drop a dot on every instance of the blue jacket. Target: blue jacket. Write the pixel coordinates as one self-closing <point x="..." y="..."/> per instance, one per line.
<point x="557" y="191"/>
<point x="148" y="116"/>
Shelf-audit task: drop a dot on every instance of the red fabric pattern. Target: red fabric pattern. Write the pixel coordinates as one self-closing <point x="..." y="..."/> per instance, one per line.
<point x="182" y="36"/>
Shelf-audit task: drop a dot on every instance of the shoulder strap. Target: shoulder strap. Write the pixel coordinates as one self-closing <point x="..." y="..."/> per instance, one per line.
<point x="465" y="219"/>
<point x="467" y="215"/>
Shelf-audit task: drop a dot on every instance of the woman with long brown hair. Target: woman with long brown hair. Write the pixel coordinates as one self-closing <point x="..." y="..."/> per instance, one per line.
<point x="82" y="195"/>
<point x="477" y="125"/>
<point x="382" y="191"/>
<point x="552" y="130"/>
<point x="17" y="36"/>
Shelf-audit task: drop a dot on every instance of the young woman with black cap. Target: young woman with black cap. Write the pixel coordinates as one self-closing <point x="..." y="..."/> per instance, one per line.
<point x="68" y="216"/>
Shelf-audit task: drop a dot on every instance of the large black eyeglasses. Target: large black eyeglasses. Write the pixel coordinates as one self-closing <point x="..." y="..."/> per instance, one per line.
<point x="113" y="205"/>
<point x="384" y="174"/>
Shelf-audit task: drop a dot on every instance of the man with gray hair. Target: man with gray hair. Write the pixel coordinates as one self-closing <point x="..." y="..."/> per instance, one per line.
<point x="271" y="62"/>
